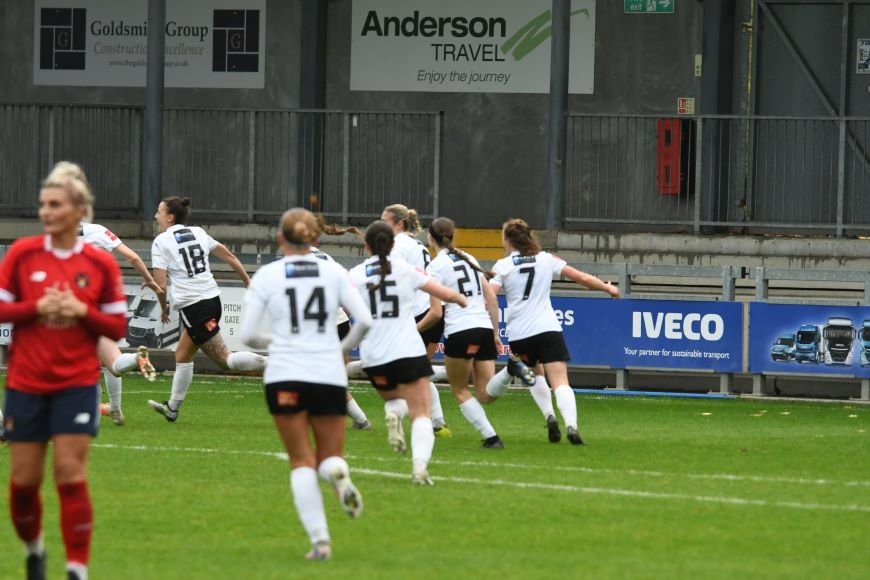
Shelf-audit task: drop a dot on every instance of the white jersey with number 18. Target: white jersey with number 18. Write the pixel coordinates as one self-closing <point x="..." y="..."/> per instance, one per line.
<point x="183" y="252"/>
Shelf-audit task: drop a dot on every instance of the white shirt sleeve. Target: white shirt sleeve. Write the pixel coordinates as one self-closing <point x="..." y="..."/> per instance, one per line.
<point x="557" y="264"/>
<point x="158" y="260"/>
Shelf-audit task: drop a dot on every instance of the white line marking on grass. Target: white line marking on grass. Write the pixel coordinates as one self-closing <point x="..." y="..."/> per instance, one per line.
<point x="630" y="493"/>
<point x="642" y="473"/>
<point x="521" y="484"/>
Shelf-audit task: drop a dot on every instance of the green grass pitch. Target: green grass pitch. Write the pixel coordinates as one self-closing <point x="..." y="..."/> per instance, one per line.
<point x="664" y="488"/>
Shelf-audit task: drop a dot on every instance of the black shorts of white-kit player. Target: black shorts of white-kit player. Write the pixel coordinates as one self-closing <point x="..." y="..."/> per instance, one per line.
<point x="545" y="348"/>
<point x="474" y="343"/>
<point x="343" y="329"/>
<point x="433" y="334"/>
<point x="202" y="319"/>
<point x="387" y="377"/>
<point x="290" y="397"/>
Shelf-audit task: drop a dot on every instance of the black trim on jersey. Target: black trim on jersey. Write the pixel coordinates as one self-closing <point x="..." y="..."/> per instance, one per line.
<point x="523" y="260"/>
<point x="301" y="270"/>
<point x="183" y="235"/>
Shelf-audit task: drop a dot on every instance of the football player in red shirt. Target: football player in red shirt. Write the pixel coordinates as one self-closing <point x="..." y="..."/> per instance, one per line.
<point x="62" y="295"/>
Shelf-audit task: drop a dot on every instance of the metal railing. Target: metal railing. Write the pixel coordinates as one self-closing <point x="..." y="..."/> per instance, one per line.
<point x="773" y="174"/>
<point x="243" y="165"/>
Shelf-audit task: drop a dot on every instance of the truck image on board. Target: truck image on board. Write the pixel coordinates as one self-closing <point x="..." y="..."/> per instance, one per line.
<point x="808" y="344"/>
<point x="145" y="326"/>
<point x="839" y="336"/>
<point x="865" y="343"/>
<point x="783" y="348"/>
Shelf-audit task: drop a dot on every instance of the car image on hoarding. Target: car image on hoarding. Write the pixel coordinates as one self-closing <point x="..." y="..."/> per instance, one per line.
<point x="783" y="348"/>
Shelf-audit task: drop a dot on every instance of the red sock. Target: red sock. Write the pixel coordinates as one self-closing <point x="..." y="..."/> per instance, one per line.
<point x="76" y="521"/>
<point x="26" y="508"/>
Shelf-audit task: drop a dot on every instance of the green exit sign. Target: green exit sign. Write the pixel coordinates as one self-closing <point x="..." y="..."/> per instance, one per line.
<point x="649" y="6"/>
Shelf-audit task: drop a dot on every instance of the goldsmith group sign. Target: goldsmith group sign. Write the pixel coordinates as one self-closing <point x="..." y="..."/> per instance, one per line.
<point x="465" y="46"/>
<point x="209" y="43"/>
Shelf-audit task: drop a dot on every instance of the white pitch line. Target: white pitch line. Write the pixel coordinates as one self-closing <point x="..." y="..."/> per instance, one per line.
<point x="526" y="485"/>
<point x="631" y="493"/>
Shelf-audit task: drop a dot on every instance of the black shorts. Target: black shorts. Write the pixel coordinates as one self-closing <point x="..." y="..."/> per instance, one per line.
<point x="399" y="372"/>
<point x="202" y="319"/>
<point x="343" y="329"/>
<point x="434" y="333"/>
<point x="291" y="397"/>
<point x="476" y="343"/>
<point x="546" y="347"/>
<point x="37" y="418"/>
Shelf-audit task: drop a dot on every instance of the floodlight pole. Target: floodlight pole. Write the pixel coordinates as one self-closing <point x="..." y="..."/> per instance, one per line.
<point x="152" y="152"/>
<point x="558" y="133"/>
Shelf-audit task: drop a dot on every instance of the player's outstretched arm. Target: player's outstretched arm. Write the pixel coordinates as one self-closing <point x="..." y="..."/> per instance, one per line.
<point x="590" y="281"/>
<point x="139" y="265"/>
<point x="222" y="252"/>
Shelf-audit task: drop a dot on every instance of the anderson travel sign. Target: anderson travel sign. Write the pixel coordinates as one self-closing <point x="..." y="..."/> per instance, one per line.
<point x="209" y="43"/>
<point x="466" y="46"/>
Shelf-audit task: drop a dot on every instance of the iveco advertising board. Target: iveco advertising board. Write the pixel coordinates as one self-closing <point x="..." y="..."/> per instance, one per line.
<point x="829" y="340"/>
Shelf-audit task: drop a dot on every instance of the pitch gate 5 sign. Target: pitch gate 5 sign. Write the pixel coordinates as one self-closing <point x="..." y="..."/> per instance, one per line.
<point x="209" y="43"/>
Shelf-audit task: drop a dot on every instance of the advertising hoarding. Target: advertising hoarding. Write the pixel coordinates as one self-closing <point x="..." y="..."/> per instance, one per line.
<point x="208" y="43"/>
<point x="466" y="46"/>
<point x="798" y="338"/>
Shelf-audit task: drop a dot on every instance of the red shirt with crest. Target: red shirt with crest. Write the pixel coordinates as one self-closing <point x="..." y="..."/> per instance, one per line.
<point x="47" y="355"/>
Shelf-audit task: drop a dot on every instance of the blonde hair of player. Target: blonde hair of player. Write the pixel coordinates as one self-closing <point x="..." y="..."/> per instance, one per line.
<point x="300" y="229"/>
<point x="71" y="177"/>
<point x="405" y="216"/>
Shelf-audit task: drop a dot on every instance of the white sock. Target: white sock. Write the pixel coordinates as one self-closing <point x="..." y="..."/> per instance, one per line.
<point x="126" y="361"/>
<point x="80" y="570"/>
<point x="356" y="413"/>
<point x="355" y="369"/>
<point x="439" y="374"/>
<point x="309" y="503"/>
<point x="422" y="442"/>
<point x="37" y="546"/>
<point x="567" y="403"/>
<point x="180" y="384"/>
<point x="498" y="384"/>
<point x="246" y="361"/>
<point x="113" y="386"/>
<point x="329" y="466"/>
<point x="473" y="412"/>
<point x="397" y="406"/>
<point x="541" y="394"/>
<point x="436" y="411"/>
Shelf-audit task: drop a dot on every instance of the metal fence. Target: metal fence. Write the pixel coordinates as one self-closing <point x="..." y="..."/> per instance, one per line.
<point x="241" y="165"/>
<point x="771" y="174"/>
